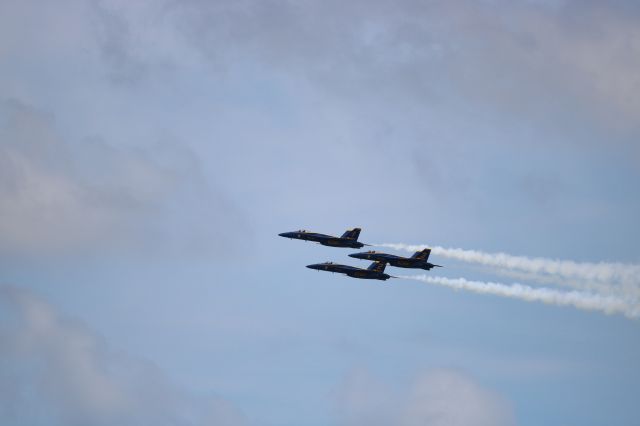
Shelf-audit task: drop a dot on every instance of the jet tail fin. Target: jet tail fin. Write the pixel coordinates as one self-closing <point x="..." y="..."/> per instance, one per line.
<point x="377" y="266"/>
<point x="352" y="234"/>
<point x="422" y="255"/>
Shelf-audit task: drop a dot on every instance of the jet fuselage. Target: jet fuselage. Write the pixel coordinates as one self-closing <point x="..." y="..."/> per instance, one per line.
<point x="351" y="271"/>
<point x="325" y="240"/>
<point x="393" y="260"/>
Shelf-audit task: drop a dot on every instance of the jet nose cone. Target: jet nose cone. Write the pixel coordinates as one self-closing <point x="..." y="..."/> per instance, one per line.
<point x="356" y="255"/>
<point x="281" y="234"/>
<point x="312" y="266"/>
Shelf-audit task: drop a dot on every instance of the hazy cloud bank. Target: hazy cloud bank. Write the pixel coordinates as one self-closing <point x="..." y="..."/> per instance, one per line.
<point x="55" y="371"/>
<point x="529" y="57"/>
<point x="57" y="196"/>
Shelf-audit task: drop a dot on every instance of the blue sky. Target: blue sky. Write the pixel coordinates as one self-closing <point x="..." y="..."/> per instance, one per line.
<point x="150" y="153"/>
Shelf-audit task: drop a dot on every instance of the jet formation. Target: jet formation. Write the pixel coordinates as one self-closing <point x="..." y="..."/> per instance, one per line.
<point x="375" y="271"/>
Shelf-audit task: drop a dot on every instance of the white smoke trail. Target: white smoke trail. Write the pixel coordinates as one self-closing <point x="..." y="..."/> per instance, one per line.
<point x="580" y="300"/>
<point x="605" y="277"/>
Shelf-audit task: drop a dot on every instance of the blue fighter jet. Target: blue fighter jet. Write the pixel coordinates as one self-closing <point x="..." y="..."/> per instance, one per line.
<point x="348" y="239"/>
<point x="374" y="272"/>
<point x="419" y="260"/>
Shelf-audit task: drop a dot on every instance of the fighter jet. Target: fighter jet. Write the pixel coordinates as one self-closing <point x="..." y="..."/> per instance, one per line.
<point x="374" y="272"/>
<point x="348" y="239"/>
<point x="418" y="260"/>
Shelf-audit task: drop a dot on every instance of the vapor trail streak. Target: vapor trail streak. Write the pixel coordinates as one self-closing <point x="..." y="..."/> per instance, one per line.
<point x="577" y="299"/>
<point x="606" y="277"/>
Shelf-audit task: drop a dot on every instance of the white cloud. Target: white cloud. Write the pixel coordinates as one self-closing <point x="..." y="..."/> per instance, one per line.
<point x="362" y="399"/>
<point x="440" y="397"/>
<point x="55" y="371"/>
<point x="450" y="398"/>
